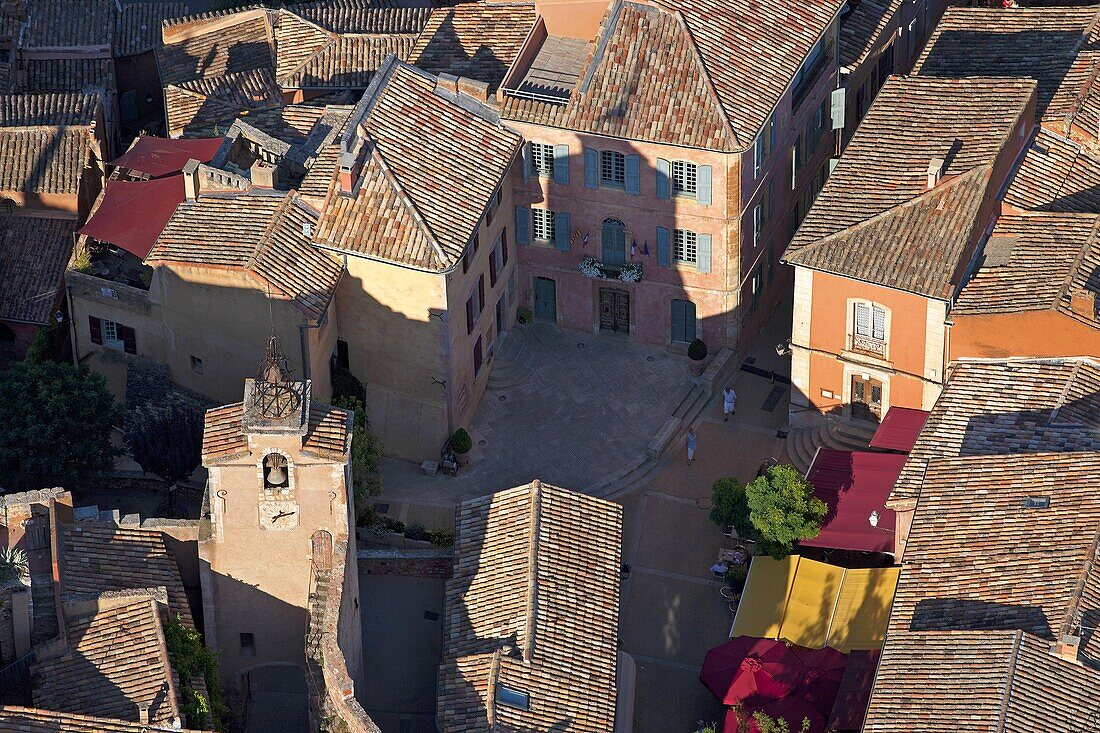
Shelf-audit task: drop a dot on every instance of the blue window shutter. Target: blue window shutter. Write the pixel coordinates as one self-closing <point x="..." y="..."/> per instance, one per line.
<point x="702" y="258"/>
<point x="664" y="177"/>
<point x="523" y="225"/>
<point x="702" y="185"/>
<point x="526" y="161"/>
<point x="664" y="255"/>
<point x="679" y="320"/>
<point x="633" y="174"/>
<point x="561" y="164"/>
<point x="561" y="231"/>
<point x="591" y="168"/>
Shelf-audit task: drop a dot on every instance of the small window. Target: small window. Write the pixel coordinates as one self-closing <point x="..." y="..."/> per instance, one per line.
<point x="196" y="364"/>
<point x="542" y="225"/>
<point x="542" y="159"/>
<point x="248" y="645"/>
<point x="110" y="334"/>
<point x="1037" y="502"/>
<point x="870" y="321"/>
<point x="684" y="178"/>
<point x="686" y="247"/>
<point x="612" y="168"/>
<point x="343" y="359"/>
<point x="478" y="357"/>
<point x="513" y="698"/>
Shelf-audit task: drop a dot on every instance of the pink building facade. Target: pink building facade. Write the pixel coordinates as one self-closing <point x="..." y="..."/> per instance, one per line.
<point x="700" y="226"/>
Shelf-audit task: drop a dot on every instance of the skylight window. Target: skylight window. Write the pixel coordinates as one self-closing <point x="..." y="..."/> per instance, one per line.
<point x="513" y="698"/>
<point x="1037" y="502"/>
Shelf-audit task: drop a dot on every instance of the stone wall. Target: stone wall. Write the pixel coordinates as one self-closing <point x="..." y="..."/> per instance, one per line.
<point x="409" y="563"/>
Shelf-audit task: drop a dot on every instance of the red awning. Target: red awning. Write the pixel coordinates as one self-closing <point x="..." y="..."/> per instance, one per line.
<point x="850" y="706"/>
<point x="898" y="430"/>
<point x="158" y="156"/>
<point x="132" y="214"/>
<point x="854" y="484"/>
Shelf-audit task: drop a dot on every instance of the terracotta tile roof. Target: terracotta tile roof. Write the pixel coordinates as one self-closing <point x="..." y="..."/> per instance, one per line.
<point x="67" y="74"/>
<point x="536" y="577"/>
<point x="356" y="16"/>
<point x="1033" y="262"/>
<point x="1056" y="175"/>
<point x="327" y="434"/>
<point x="116" y="662"/>
<point x="1002" y="42"/>
<point x="266" y="234"/>
<point x="862" y="27"/>
<point x="876" y="220"/>
<point x="30" y="110"/>
<point x="318" y="180"/>
<point x="1010" y="406"/>
<point x="138" y="27"/>
<point x="427" y="168"/>
<point x="478" y="40"/>
<point x="33" y="255"/>
<point x="1006" y="681"/>
<point x="43" y="160"/>
<point x="14" y="719"/>
<point x="102" y="558"/>
<point x="64" y="23"/>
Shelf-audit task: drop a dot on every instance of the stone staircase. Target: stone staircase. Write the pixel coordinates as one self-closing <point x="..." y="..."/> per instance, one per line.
<point x="43" y="610"/>
<point x="514" y="361"/>
<point x="802" y="443"/>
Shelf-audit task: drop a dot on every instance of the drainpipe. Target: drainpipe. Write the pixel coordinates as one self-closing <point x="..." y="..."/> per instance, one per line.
<point x="72" y="325"/>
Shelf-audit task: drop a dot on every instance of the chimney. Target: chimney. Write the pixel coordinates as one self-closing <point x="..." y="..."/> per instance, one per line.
<point x="191" y="179"/>
<point x="935" y="171"/>
<point x="347" y="168"/>
<point x="1067" y="648"/>
<point x="264" y="175"/>
<point x="143" y="713"/>
<point x="447" y="83"/>
<point x="478" y="90"/>
<point x="1083" y="302"/>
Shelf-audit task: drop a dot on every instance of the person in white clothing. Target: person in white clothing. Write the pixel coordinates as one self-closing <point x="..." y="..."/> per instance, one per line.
<point x="729" y="403"/>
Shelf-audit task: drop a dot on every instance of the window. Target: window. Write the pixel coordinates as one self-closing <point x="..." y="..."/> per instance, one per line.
<point x="542" y="159"/>
<point x="685" y="246"/>
<point x="870" y="321"/>
<point x="494" y="204"/>
<point x="612" y="168"/>
<point x="1037" y="502"/>
<point x="471" y="250"/>
<point x="112" y="334"/>
<point x="475" y="304"/>
<point x="196" y="364"/>
<point x="765" y="142"/>
<point x="496" y="260"/>
<point x="757" y="288"/>
<point x="613" y="242"/>
<point x="248" y="645"/>
<point x="343" y="360"/>
<point x="757" y="223"/>
<point x="684" y="178"/>
<point x="542" y="225"/>
<point x="513" y="698"/>
<point x="683" y="321"/>
<point x="477" y="357"/>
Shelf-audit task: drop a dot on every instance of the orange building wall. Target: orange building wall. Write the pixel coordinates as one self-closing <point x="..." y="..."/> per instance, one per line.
<point x="1033" y="333"/>
<point x="906" y="338"/>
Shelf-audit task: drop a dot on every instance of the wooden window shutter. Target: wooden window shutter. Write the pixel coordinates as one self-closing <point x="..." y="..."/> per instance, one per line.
<point x="527" y="161"/>
<point x="633" y="174"/>
<point x="96" y="327"/>
<point x="664" y="179"/>
<point x="703" y="177"/>
<point x="561" y="231"/>
<point x="702" y="259"/>
<point x="470" y="315"/>
<point x="503" y="247"/>
<point x="591" y="168"/>
<point x="863" y="319"/>
<point x="664" y="246"/>
<point x="129" y="339"/>
<point x="492" y="269"/>
<point x="480" y="293"/>
<point x="523" y="225"/>
<point x="561" y="164"/>
<point x="878" y="326"/>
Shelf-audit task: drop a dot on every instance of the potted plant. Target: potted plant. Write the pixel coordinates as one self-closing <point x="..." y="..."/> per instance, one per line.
<point x="461" y="443"/>
<point x="697" y="352"/>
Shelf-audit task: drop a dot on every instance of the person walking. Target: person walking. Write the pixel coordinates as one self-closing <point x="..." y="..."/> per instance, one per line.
<point x="729" y="403"/>
<point x="691" y="438"/>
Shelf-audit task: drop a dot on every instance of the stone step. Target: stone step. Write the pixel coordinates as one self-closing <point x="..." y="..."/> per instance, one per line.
<point x="513" y="363"/>
<point x="860" y="432"/>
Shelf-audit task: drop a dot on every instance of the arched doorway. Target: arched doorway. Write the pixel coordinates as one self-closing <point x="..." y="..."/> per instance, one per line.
<point x="613" y="243"/>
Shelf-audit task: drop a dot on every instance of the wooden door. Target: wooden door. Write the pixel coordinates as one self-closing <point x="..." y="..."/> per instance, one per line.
<point x="866" y="398"/>
<point x="614" y="310"/>
<point x="546" y="301"/>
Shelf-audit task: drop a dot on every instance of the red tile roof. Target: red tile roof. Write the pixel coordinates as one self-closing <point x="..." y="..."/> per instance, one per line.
<point x="33" y="255"/>
<point x="327" y="434"/>
<point x="15" y="719"/>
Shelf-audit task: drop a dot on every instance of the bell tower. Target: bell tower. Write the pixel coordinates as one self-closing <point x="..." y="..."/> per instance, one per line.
<point x="278" y="489"/>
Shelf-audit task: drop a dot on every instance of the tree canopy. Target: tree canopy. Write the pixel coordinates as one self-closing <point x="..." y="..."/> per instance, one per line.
<point x="783" y="509"/>
<point x="56" y="429"/>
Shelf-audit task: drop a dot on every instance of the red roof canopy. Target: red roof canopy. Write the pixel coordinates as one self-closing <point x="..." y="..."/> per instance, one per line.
<point x="132" y="214"/>
<point x="158" y="156"/>
<point x="850" y="706"/>
<point x="854" y="484"/>
<point x="899" y="429"/>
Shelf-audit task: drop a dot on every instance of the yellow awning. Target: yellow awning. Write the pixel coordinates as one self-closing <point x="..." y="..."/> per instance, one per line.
<point x="814" y="604"/>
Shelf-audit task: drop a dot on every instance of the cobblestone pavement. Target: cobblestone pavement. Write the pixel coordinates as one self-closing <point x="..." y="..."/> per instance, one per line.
<point x="589" y="407"/>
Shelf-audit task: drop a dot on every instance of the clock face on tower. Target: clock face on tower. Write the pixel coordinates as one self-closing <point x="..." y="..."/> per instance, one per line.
<point x="278" y="515"/>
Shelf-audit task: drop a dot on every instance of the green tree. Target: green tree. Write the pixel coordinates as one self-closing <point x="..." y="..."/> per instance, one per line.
<point x="366" y="457"/>
<point x="783" y="510"/>
<point x="731" y="506"/>
<point x="56" y="429"/>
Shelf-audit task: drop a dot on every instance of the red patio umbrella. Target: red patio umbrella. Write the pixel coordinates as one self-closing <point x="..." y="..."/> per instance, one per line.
<point x="745" y="667"/>
<point x="820" y="683"/>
